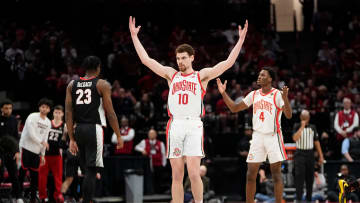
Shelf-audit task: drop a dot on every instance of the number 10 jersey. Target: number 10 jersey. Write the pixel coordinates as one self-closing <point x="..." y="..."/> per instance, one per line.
<point x="186" y="96"/>
<point x="87" y="102"/>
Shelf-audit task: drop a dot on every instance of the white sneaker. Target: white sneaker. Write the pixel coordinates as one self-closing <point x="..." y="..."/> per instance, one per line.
<point x="19" y="201"/>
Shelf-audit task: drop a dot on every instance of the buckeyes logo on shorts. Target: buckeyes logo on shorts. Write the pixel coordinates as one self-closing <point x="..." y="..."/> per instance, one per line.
<point x="177" y="152"/>
<point x="251" y="157"/>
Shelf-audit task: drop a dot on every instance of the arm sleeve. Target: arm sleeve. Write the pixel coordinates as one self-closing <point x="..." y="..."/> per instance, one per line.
<point x="163" y="154"/>
<point x="345" y="146"/>
<point x="130" y="135"/>
<point x="114" y="138"/>
<point x="354" y="124"/>
<point x="336" y="124"/>
<point x="141" y="146"/>
<point x="248" y="100"/>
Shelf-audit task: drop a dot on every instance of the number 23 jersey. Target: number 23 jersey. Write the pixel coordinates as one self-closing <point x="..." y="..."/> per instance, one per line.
<point x="266" y="110"/>
<point x="186" y="96"/>
<point x="87" y="102"/>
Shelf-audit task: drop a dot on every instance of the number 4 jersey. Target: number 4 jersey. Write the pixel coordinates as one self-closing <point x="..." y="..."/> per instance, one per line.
<point x="87" y="102"/>
<point x="186" y="96"/>
<point x="266" y="110"/>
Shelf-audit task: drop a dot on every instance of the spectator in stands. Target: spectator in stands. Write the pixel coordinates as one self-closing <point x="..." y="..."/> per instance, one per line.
<point x="124" y="102"/>
<point x="351" y="147"/>
<point x="144" y="110"/>
<point x="188" y="197"/>
<point x="12" y="52"/>
<point x="155" y="150"/>
<point x="68" y="52"/>
<point x="319" y="186"/>
<point x="333" y="191"/>
<point x="266" y="185"/>
<point x="231" y="33"/>
<point x="327" y="145"/>
<point x="345" y="121"/>
<point x="9" y="150"/>
<point x="128" y="135"/>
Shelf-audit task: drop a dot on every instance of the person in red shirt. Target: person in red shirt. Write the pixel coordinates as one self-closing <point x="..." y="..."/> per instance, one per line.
<point x="53" y="158"/>
<point x="345" y="121"/>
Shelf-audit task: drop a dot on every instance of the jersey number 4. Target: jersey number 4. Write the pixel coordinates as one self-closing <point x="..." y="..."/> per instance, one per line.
<point x="262" y="117"/>
<point x="84" y="96"/>
<point x="183" y="98"/>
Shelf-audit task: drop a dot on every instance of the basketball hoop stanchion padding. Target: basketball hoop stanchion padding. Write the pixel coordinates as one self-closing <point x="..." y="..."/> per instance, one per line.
<point x="290" y="150"/>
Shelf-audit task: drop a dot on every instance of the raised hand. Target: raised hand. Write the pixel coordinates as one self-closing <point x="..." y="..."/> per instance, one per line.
<point x="285" y="91"/>
<point x="133" y="29"/>
<point x="221" y="87"/>
<point x="242" y="32"/>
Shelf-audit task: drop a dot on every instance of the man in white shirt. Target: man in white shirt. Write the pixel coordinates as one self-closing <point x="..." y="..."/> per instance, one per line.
<point x="33" y="143"/>
<point x="155" y="150"/>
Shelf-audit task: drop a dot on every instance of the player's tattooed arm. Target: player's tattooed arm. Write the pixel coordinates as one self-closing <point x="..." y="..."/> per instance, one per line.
<point x="69" y="119"/>
<point x="104" y="89"/>
<point x="161" y="70"/>
<point x="228" y="101"/>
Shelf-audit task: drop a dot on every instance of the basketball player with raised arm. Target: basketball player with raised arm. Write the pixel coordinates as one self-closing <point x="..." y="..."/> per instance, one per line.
<point x="268" y="105"/>
<point x="86" y="100"/>
<point x="184" y="130"/>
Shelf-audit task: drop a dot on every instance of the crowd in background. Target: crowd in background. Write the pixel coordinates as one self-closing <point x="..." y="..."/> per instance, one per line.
<point x="42" y="59"/>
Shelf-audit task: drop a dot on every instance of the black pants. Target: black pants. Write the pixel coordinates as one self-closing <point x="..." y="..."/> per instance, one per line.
<point x="33" y="181"/>
<point x="304" y="172"/>
<point x="10" y="164"/>
<point x="157" y="178"/>
<point x="89" y="138"/>
<point x="29" y="161"/>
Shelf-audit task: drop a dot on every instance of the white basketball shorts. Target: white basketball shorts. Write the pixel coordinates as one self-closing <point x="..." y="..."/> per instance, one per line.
<point x="266" y="145"/>
<point x="184" y="137"/>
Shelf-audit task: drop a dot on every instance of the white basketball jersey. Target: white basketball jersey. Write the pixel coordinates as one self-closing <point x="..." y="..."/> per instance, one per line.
<point x="266" y="110"/>
<point x="186" y="96"/>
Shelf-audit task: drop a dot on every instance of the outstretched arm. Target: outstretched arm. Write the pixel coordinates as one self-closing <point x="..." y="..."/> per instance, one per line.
<point x="207" y="74"/>
<point x="163" y="71"/>
<point x="228" y="101"/>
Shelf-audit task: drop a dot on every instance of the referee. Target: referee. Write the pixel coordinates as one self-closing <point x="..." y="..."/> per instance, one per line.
<point x="306" y="138"/>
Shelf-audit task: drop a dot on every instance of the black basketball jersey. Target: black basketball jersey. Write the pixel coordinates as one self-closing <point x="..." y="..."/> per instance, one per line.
<point x="54" y="138"/>
<point x="87" y="103"/>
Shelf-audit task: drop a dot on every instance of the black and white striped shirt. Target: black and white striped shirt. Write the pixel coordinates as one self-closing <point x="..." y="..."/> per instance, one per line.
<point x="307" y="138"/>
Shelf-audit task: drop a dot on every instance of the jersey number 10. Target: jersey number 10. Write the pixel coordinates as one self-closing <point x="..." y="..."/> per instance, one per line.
<point x="183" y="98"/>
<point x="83" y="100"/>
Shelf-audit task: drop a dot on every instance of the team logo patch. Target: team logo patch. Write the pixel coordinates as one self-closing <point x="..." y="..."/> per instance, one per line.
<point x="250" y="156"/>
<point x="177" y="152"/>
